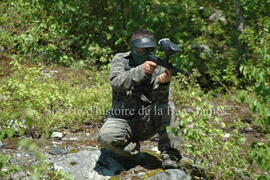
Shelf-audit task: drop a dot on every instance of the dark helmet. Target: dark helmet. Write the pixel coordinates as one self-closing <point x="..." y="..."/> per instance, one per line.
<point x="144" y="42"/>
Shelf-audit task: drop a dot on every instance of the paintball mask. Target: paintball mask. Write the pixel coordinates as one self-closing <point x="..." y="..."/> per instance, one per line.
<point x="141" y="48"/>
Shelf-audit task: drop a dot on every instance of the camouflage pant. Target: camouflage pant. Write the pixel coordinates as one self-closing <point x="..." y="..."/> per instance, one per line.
<point x="118" y="134"/>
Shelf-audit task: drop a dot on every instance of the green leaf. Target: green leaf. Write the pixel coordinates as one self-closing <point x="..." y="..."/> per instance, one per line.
<point x="10" y="132"/>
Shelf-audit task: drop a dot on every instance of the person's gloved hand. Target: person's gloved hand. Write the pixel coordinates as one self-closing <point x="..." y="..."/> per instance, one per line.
<point x="148" y="67"/>
<point x="165" y="77"/>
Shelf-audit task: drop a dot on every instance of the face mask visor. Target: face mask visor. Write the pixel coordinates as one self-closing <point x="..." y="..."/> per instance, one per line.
<point x="144" y="42"/>
<point x="143" y="51"/>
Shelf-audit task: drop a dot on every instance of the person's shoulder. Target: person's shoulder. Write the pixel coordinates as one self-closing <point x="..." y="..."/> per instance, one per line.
<point x="124" y="55"/>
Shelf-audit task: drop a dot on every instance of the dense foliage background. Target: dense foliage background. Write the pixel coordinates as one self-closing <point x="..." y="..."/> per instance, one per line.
<point x="227" y="42"/>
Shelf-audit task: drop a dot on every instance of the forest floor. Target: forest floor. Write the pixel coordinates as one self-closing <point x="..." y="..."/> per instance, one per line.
<point x="85" y="136"/>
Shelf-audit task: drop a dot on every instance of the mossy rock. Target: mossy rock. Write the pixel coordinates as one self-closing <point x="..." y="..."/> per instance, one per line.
<point x="115" y="178"/>
<point x="154" y="172"/>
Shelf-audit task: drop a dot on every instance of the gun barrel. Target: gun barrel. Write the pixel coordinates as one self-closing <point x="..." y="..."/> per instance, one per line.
<point x="165" y="64"/>
<point x="180" y="71"/>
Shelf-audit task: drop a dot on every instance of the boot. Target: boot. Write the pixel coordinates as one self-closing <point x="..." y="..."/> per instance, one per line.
<point x="133" y="148"/>
<point x="169" y="163"/>
<point x="169" y="160"/>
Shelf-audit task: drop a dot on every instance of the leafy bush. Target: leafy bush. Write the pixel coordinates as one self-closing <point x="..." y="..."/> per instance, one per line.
<point x="67" y="32"/>
<point x="34" y="100"/>
<point x="260" y="153"/>
<point x="39" y="169"/>
<point x="208" y="139"/>
<point x="256" y="72"/>
<point x="5" y="167"/>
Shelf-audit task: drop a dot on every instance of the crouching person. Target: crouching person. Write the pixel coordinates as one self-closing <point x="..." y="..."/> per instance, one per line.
<point x="140" y="107"/>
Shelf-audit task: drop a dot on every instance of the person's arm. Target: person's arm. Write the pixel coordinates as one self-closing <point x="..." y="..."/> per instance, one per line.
<point x="161" y="86"/>
<point x="123" y="80"/>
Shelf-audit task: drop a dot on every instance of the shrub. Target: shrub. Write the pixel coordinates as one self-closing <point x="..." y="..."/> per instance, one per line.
<point x="33" y="99"/>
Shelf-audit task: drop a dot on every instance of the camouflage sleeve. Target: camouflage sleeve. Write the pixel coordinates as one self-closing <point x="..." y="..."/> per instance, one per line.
<point x="161" y="91"/>
<point x="122" y="79"/>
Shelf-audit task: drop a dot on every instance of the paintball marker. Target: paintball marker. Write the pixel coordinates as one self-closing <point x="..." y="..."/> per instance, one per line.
<point x="169" y="49"/>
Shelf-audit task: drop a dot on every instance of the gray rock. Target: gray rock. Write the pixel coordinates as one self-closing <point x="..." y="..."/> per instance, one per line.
<point x="49" y="73"/>
<point x="247" y="130"/>
<point x="88" y="165"/>
<point x="55" y="143"/>
<point x="74" y="139"/>
<point x="141" y="173"/>
<point x="101" y="165"/>
<point x="201" y="8"/>
<point x="217" y="16"/>
<point x="171" y="174"/>
<point x="1" y="144"/>
<point x="18" y="155"/>
<point x="2" y="49"/>
<point x="3" y="98"/>
<point x="57" y="135"/>
<point x="202" y="48"/>
<point x="30" y="154"/>
<point x="19" y="175"/>
<point x="227" y="135"/>
<point x="58" y="151"/>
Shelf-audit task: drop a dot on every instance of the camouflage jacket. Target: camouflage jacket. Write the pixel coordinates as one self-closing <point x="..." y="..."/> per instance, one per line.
<point x="132" y="88"/>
